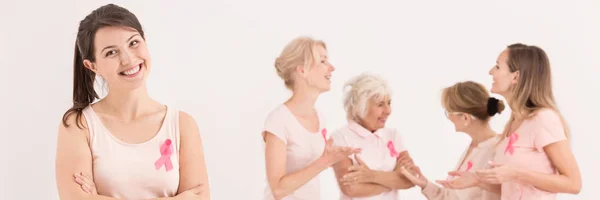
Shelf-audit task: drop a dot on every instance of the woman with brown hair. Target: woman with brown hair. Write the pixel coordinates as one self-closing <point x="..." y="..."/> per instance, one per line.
<point x="126" y="145"/>
<point x="469" y="107"/>
<point x="533" y="159"/>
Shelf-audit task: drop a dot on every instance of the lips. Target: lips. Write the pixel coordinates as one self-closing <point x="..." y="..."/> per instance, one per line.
<point x="131" y="71"/>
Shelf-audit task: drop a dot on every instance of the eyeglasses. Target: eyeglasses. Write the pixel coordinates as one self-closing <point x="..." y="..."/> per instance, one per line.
<point x="451" y="113"/>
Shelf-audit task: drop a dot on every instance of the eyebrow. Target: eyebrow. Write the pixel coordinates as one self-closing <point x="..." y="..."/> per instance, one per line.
<point x="113" y="46"/>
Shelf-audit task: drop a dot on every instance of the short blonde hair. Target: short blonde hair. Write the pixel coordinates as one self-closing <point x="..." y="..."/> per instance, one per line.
<point x="300" y="51"/>
<point x="359" y="90"/>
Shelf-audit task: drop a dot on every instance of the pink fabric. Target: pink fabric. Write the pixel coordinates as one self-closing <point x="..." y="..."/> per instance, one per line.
<point x="130" y="171"/>
<point x="302" y="147"/>
<point x="477" y="159"/>
<point x="534" y="134"/>
<point x="379" y="151"/>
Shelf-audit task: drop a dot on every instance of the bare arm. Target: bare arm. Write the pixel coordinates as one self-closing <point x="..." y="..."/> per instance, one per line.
<point x="393" y="180"/>
<point x="396" y="180"/>
<point x="192" y="168"/>
<point x="283" y="184"/>
<point x="569" y="178"/>
<point x="73" y="155"/>
<point x="358" y="189"/>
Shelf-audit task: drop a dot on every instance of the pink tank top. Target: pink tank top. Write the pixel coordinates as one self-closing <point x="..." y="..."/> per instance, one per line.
<point x="135" y="171"/>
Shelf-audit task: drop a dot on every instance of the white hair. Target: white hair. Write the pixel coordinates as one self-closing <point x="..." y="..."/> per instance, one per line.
<point x="359" y="90"/>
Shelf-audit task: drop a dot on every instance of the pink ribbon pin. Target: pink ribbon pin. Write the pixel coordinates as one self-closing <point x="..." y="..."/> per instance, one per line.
<point x="469" y="166"/>
<point x="166" y="150"/>
<point x="324" y="133"/>
<point x="511" y="141"/>
<point x="392" y="149"/>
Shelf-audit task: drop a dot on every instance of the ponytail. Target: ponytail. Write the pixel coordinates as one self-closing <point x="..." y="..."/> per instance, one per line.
<point x="83" y="89"/>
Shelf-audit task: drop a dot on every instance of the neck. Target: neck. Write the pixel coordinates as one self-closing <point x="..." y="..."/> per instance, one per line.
<point x="480" y="133"/>
<point x="303" y="100"/>
<point x="127" y="104"/>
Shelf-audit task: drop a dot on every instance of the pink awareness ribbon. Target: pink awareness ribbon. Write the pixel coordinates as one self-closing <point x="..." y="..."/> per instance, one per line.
<point x="392" y="149"/>
<point x="324" y="134"/>
<point x="166" y="150"/>
<point x="511" y="141"/>
<point x="469" y="166"/>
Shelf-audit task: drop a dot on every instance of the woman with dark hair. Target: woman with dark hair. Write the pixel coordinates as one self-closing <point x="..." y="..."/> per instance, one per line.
<point x="126" y="145"/>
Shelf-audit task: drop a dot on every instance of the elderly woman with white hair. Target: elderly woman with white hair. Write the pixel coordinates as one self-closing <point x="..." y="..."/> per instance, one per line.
<point x="375" y="172"/>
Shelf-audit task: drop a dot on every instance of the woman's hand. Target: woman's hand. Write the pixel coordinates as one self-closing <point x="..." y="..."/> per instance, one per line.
<point x="464" y="180"/>
<point x="415" y="176"/>
<point x="358" y="173"/>
<point x="333" y="154"/>
<point x="86" y="183"/>
<point x="498" y="174"/>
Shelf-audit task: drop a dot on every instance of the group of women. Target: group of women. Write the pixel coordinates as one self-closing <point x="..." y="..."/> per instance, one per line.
<point x="129" y="146"/>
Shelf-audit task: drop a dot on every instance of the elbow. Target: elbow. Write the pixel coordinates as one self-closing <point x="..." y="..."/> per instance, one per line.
<point x="279" y="193"/>
<point x="575" y="188"/>
<point x="349" y="191"/>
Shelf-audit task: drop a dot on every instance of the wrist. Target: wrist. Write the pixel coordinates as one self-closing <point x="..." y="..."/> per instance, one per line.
<point x="517" y="174"/>
<point x="323" y="163"/>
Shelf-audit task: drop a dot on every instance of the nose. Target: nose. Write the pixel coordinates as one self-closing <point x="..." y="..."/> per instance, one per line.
<point x="126" y="57"/>
<point x="490" y="72"/>
<point x="331" y="67"/>
<point x="387" y="110"/>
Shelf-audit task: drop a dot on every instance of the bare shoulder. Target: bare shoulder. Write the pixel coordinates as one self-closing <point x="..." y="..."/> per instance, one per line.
<point x="74" y="126"/>
<point x="187" y="123"/>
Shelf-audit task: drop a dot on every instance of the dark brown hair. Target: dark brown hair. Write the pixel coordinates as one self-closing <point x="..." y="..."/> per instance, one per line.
<point x="472" y="98"/>
<point x="83" y="78"/>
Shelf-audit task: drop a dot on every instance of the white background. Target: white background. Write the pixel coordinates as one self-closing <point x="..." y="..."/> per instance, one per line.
<point x="214" y="59"/>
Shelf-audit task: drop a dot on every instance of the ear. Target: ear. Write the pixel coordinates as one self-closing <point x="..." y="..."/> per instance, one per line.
<point x="90" y="65"/>
<point x="301" y="71"/>
<point x="515" y="77"/>
<point x="467" y="118"/>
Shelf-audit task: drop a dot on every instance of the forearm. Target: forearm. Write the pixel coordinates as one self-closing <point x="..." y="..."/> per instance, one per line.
<point x="364" y="190"/>
<point x="292" y="181"/>
<point x="434" y="192"/>
<point x="554" y="183"/>
<point x="493" y="188"/>
<point x="393" y="180"/>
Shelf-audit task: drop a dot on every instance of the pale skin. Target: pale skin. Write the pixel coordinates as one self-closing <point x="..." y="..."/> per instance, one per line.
<point x="357" y="180"/>
<point x="477" y="129"/>
<point x="308" y="85"/>
<point x="126" y="109"/>
<point x="568" y="179"/>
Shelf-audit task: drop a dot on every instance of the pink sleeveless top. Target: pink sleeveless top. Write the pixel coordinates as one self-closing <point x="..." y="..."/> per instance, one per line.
<point x="135" y="171"/>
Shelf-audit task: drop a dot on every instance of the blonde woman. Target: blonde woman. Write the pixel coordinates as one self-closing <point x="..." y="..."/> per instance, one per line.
<point x="296" y="144"/>
<point x="469" y="107"/>
<point x="533" y="159"/>
<point x="373" y="174"/>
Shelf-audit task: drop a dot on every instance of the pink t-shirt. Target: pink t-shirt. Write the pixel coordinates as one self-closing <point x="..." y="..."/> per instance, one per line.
<point x="379" y="151"/>
<point x="525" y="149"/>
<point x="302" y="148"/>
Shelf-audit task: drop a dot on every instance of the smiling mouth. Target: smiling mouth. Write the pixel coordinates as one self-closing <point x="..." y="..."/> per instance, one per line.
<point x="131" y="71"/>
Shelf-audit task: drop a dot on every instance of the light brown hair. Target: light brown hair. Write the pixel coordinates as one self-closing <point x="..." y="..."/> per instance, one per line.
<point x="533" y="90"/>
<point x="472" y="98"/>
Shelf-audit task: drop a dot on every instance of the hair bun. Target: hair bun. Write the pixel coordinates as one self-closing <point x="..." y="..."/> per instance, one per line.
<point x="492" y="106"/>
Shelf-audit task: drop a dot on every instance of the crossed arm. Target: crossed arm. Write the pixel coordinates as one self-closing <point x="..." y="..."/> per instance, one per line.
<point x="73" y="156"/>
<point x="359" y="181"/>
